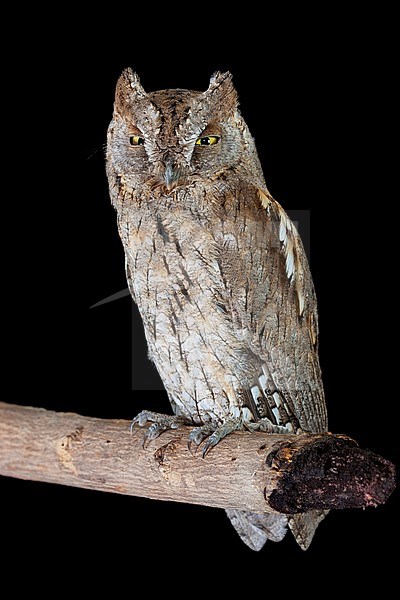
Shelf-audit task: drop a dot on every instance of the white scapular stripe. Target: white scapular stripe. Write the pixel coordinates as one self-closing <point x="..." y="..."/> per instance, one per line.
<point x="291" y="247"/>
<point x="277" y="416"/>
<point x="263" y="382"/>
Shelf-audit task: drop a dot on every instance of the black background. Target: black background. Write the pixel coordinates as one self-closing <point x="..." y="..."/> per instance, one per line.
<point x="318" y="102"/>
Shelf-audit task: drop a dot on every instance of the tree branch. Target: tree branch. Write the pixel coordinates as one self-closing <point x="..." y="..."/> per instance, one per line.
<point x="258" y="472"/>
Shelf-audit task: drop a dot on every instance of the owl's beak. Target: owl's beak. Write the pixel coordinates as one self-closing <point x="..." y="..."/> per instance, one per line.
<point x="171" y="176"/>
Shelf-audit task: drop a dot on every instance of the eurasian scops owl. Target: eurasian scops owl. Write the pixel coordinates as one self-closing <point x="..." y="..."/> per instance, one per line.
<point x="219" y="275"/>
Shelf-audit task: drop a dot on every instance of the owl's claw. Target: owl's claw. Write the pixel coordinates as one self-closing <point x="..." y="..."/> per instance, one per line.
<point x="160" y="424"/>
<point x="220" y="432"/>
<point x="198" y="434"/>
<point x="152" y="433"/>
<point x="210" y="443"/>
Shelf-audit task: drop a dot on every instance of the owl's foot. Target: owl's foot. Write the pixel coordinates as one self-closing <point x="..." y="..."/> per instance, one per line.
<point x="268" y="426"/>
<point x="198" y="434"/>
<point x="216" y="434"/>
<point x="160" y="423"/>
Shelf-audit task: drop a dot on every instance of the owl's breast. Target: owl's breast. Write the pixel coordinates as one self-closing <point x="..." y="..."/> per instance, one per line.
<point x="171" y="255"/>
<point x="178" y="286"/>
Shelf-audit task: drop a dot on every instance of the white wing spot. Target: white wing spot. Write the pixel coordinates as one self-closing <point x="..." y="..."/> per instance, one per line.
<point x="277" y="398"/>
<point x="263" y="382"/>
<point x="247" y="415"/>
<point x="290" y="245"/>
<point x="276" y="415"/>
<point x="282" y="231"/>
<point x="289" y="258"/>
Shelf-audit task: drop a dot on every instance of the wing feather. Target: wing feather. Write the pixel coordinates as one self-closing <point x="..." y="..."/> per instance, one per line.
<point x="278" y="316"/>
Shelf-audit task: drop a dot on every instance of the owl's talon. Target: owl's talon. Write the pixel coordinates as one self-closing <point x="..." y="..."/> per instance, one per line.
<point x="210" y="443"/>
<point x="160" y="423"/>
<point x="142" y="418"/>
<point x="198" y="434"/>
<point x="152" y="433"/>
<point x="189" y="445"/>
<point x="217" y="434"/>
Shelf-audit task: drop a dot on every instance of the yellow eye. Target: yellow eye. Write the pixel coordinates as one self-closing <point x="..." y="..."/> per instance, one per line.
<point x="208" y="140"/>
<point x="136" y="140"/>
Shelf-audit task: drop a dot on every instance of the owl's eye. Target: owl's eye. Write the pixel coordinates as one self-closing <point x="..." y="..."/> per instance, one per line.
<point x="208" y="140"/>
<point x="136" y="140"/>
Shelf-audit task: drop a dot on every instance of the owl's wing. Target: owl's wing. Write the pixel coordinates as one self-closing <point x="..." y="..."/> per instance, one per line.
<point x="273" y="300"/>
<point x="274" y="310"/>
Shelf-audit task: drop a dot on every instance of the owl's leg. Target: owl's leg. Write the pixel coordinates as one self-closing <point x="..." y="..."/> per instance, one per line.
<point x="216" y="433"/>
<point x="160" y="423"/>
<point x="268" y="426"/>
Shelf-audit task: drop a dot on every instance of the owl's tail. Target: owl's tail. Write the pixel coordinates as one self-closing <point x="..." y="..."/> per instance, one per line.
<point x="255" y="529"/>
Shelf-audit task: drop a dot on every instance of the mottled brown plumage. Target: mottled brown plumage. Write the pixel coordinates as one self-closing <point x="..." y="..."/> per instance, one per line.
<point x="218" y="272"/>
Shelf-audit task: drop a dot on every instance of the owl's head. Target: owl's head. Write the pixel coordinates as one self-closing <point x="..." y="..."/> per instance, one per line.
<point x="173" y="138"/>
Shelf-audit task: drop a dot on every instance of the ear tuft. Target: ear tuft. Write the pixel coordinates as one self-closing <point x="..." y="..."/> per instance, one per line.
<point x="135" y="82"/>
<point x="219" y="78"/>
<point x="221" y="90"/>
<point x="127" y="91"/>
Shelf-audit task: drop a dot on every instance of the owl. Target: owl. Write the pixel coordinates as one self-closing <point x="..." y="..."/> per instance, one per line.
<point x="219" y="275"/>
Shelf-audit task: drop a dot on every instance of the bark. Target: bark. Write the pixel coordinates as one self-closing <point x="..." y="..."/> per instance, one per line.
<point x="258" y="472"/>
